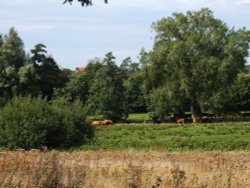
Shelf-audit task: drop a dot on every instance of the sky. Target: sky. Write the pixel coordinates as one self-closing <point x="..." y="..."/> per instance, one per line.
<point x="74" y="34"/>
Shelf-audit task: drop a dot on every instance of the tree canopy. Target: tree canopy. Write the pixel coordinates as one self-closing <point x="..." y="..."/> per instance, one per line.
<point x="21" y="74"/>
<point x="197" y="54"/>
<point x="12" y="57"/>
<point x="106" y="95"/>
<point x="197" y="64"/>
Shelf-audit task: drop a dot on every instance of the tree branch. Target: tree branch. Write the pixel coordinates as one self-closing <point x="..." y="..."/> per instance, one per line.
<point x="83" y="2"/>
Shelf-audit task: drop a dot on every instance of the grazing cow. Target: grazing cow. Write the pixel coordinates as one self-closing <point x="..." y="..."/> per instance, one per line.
<point x="104" y="122"/>
<point x="180" y="120"/>
<point x="96" y="122"/>
<point x="107" y="122"/>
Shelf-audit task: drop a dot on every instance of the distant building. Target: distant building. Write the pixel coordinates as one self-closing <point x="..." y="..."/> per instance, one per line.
<point x="80" y="69"/>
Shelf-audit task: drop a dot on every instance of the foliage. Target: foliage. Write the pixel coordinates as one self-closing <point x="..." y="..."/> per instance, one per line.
<point x="128" y="68"/>
<point x="73" y="130"/>
<point x="106" y="95"/>
<point x="197" y="64"/>
<point x="233" y="100"/>
<point x="134" y="95"/>
<point x="79" y="84"/>
<point x="28" y="122"/>
<point x="198" y="53"/>
<point x="21" y="74"/>
<point x="145" y="64"/>
<point x="165" y="100"/>
<point x="158" y="106"/>
<point x="51" y="77"/>
<point x="76" y="88"/>
<point x="41" y="75"/>
<point x="12" y="57"/>
<point x="133" y="81"/>
<point x="241" y="91"/>
<point x="12" y="50"/>
<point x="24" y="123"/>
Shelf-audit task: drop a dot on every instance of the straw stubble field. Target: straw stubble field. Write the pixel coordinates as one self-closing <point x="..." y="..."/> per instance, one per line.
<point x="130" y="169"/>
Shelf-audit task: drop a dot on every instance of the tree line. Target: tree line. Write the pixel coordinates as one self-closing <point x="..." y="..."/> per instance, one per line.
<point x="197" y="64"/>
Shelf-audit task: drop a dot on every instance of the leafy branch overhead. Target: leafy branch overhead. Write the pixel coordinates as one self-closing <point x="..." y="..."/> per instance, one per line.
<point x="83" y="2"/>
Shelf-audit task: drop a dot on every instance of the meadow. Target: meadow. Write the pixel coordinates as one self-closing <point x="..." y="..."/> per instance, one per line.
<point x="234" y="136"/>
<point x="139" y="156"/>
<point x="124" y="169"/>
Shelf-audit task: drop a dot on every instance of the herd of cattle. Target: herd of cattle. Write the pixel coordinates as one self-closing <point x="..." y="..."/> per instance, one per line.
<point x="109" y="122"/>
<point x="101" y="122"/>
<point x="182" y="120"/>
<point x="188" y="118"/>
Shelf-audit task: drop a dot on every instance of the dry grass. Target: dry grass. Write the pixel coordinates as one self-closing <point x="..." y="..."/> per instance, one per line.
<point x="130" y="169"/>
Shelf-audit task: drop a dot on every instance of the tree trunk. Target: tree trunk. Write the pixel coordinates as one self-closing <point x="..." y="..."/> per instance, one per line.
<point x="196" y="112"/>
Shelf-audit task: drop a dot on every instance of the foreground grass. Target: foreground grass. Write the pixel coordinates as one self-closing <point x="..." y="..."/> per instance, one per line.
<point x="172" y="137"/>
<point x="132" y="169"/>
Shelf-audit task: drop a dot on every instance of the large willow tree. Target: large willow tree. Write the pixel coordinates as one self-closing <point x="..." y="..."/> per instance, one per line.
<point x="199" y="54"/>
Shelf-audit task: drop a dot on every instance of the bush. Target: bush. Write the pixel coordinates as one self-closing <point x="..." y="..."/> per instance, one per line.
<point x="28" y="122"/>
<point x="73" y="130"/>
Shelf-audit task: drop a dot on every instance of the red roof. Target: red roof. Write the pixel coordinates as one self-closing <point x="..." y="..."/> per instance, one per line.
<point x="80" y="69"/>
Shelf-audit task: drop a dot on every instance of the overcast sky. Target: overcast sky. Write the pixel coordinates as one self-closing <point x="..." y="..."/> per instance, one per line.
<point x="74" y="34"/>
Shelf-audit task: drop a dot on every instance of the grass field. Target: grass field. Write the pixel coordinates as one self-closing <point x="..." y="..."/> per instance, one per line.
<point x="138" y="156"/>
<point x="138" y="118"/>
<point x="172" y="137"/>
<point x="124" y="169"/>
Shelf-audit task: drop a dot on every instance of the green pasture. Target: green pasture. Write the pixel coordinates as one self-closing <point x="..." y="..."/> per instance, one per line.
<point x="138" y="118"/>
<point x="172" y="137"/>
<point x="142" y="117"/>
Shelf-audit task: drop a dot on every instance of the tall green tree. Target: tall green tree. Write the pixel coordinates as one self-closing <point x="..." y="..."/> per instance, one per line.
<point x="106" y="96"/>
<point x="41" y="75"/>
<point x="135" y="97"/>
<point x="1" y="40"/>
<point x="2" y="99"/>
<point x="199" y="54"/>
<point x="133" y="81"/>
<point x="128" y="67"/>
<point x="13" y="49"/>
<point x="12" y="58"/>
<point x="145" y="66"/>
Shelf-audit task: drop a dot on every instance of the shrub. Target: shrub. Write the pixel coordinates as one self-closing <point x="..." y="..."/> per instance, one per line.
<point x="28" y="122"/>
<point x="73" y="130"/>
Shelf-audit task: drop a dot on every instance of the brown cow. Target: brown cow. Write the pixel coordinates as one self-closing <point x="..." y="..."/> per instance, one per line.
<point x="104" y="122"/>
<point x="180" y="120"/>
<point x="107" y="122"/>
<point x="96" y="122"/>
